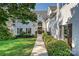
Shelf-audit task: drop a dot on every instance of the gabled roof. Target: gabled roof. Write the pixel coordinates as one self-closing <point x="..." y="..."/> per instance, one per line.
<point x="54" y="10"/>
<point x="42" y="14"/>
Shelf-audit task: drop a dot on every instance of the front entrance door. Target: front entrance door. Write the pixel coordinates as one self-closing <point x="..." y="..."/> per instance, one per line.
<point x="39" y="27"/>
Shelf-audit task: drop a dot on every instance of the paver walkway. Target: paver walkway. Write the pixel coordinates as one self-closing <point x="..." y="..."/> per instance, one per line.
<point x="39" y="48"/>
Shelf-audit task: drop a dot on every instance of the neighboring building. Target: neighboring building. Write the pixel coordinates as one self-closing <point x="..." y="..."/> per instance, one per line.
<point x="51" y="20"/>
<point x="75" y="30"/>
<point x="41" y="20"/>
<point x="50" y="13"/>
<point x="68" y="19"/>
<point x="17" y="27"/>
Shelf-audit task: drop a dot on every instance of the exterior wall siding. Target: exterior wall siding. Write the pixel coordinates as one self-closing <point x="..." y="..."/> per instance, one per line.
<point x="66" y="14"/>
<point x="75" y="31"/>
<point x="24" y="26"/>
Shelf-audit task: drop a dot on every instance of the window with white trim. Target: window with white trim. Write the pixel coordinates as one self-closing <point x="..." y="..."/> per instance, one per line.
<point x="19" y="30"/>
<point x="28" y="30"/>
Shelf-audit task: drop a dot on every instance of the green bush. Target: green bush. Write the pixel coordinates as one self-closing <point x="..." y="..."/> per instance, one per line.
<point x="24" y="35"/>
<point x="47" y="38"/>
<point x="5" y="34"/>
<point x="56" y="47"/>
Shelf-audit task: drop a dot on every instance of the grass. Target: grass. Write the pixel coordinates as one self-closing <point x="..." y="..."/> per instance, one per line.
<point x="17" y="47"/>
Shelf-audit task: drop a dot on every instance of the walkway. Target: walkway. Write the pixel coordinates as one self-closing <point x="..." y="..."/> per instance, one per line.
<point x="39" y="48"/>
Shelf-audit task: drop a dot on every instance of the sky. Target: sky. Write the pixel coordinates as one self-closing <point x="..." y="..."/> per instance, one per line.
<point x="43" y="6"/>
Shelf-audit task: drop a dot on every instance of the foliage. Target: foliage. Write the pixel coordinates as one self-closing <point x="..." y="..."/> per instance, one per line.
<point x="48" y="38"/>
<point x="3" y="16"/>
<point x="14" y="11"/>
<point x="56" y="47"/>
<point x="4" y="34"/>
<point x="21" y="11"/>
<point x="17" y="47"/>
<point x="24" y="35"/>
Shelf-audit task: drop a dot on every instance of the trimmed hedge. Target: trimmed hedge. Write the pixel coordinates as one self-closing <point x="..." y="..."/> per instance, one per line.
<point x="25" y="35"/>
<point x="56" y="47"/>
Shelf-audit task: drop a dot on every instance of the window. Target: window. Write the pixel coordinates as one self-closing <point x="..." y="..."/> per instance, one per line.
<point x="60" y="31"/>
<point x="28" y="30"/>
<point x="19" y="30"/>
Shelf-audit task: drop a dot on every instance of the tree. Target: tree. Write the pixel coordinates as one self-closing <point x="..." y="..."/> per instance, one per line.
<point x="19" y="11"/>
<point x="15" y="11"/>
<point x="3" y="16"/>
<point x="4" y="33"/>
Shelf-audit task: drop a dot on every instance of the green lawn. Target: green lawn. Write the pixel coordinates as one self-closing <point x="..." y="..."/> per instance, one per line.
<point x="17" y="47"/>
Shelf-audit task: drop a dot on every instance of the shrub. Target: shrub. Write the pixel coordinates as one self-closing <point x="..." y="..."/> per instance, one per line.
<point x="47" y="38"/>
<point x="56" y="47"/>
<point x="5" y="34"/>
<point x="48" y="33"/>
<point x="24" y="35"/>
